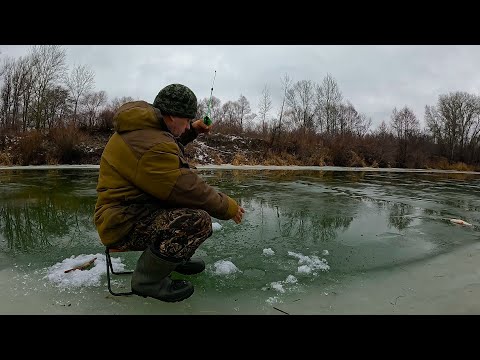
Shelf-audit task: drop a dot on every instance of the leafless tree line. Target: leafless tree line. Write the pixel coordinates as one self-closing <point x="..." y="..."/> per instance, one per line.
<point x="37" y="91"/>
<point x="452" y="125"/>
<point x="452" y="128"/>
<point x="305" y="105"/>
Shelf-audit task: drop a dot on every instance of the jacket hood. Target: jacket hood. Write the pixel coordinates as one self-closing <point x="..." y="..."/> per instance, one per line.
<point x="137" y="115"/>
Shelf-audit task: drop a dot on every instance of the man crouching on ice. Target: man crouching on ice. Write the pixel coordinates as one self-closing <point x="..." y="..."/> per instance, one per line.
<point x="149" y="198"/>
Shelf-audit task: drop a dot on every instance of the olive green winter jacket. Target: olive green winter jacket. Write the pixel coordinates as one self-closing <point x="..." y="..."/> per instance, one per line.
<point x="143" y="164"/>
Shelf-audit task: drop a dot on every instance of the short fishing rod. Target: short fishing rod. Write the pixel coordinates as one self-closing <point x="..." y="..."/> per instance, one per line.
<point x="206" y="118"/>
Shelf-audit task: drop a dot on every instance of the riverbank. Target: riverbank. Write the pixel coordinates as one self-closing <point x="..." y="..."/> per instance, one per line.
<point x="258" y="167"/>
<point x="78" y="148"/>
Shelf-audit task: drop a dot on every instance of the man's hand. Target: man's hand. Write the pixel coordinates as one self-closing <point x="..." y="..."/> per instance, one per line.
<point x="239" y="215"/>
<point x="200" y="127"/>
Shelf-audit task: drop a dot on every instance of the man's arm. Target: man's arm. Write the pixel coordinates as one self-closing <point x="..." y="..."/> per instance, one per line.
<point x="196" y="127"/>
<point x="160" y="175"/>
<point x="189" y="135"/>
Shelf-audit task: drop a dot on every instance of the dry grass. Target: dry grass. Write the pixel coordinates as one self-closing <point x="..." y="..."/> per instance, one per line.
<point x="5" y="159"/>
<point x="244" y="159"/>
<point x="30" y="149"/>
<point x="281" y="159"/>
<point x="355" y="160"/>
<point x="444" y="164"/>
<point x="461" y="166"/>
<point x="217" y="159"/>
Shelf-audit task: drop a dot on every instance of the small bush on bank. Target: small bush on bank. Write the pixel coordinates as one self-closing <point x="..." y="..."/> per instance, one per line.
<point x="65" y="143"/>
<point x="30" y="149"/>
<point x="5" y="159"/>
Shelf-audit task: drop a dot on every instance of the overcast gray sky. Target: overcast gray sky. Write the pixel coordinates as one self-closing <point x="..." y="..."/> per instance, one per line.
<point x="374" y="78"/>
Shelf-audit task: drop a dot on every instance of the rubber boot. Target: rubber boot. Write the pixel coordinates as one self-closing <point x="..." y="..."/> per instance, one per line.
<point x="151" y="278"/>
<point x="191" y="266"/>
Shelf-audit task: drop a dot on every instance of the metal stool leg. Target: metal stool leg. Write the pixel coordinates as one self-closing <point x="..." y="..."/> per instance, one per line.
<point x="110" y="268"/>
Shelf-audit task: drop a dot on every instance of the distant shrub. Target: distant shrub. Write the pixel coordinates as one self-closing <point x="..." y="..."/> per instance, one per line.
<point x="30" y="149"/>
<point x="65" y="145"/>
<point x="440" y="163"/>
<point x="5" y="159"/>
<point x="354" y="160"/>
<point x="105" y="120"/>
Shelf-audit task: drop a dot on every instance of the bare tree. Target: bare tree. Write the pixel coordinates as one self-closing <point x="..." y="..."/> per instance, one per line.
<point x="230" y="113"/>
<point x="277" y="125"/>
<point x="49" y="64"/>
<point x="93" y="101"/>
<point x="17" y="75"/>
<point x="300" y="100"/>
<point x="404" y="123"/>
<point x="215" y="108"/>
<point x="244" y="109"/>
<point x="57" y="106"/>
<point x="363" y="126"/>
<point x="264" y="107"/>
<point x="22" y="86"/>
<point x="119" y="101"/>
<point x="405" y="126"/>
<point x="350" y="121"/>
<point x="6" y="72"/>
<point x="80" y="82"/>
<point x="474" y="145"/>
<point x="28" y="89"/>
<point x="201" y="108"/>
<point x="248" y="121"/>
<point x="382" y="130"/>
<point x="328" y="100"/>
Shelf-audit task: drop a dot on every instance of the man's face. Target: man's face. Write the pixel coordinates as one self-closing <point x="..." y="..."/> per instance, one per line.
<point x="177" y="125"/>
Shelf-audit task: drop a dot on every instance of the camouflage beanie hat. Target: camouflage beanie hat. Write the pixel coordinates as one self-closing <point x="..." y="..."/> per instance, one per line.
<point x="177" y="100"/>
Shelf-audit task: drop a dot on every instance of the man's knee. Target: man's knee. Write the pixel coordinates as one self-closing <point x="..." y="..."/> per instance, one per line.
<point x="204" y="221"/>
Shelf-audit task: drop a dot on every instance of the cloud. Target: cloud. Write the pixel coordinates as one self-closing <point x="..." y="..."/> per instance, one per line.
<point x="374" y="78"/>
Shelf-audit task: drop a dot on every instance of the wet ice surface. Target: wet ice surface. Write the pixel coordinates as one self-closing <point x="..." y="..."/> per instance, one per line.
<point x="305" y="234"/>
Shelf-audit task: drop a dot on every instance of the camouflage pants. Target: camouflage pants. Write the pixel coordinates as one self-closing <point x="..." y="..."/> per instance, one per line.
<point x="175" y="233"/>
